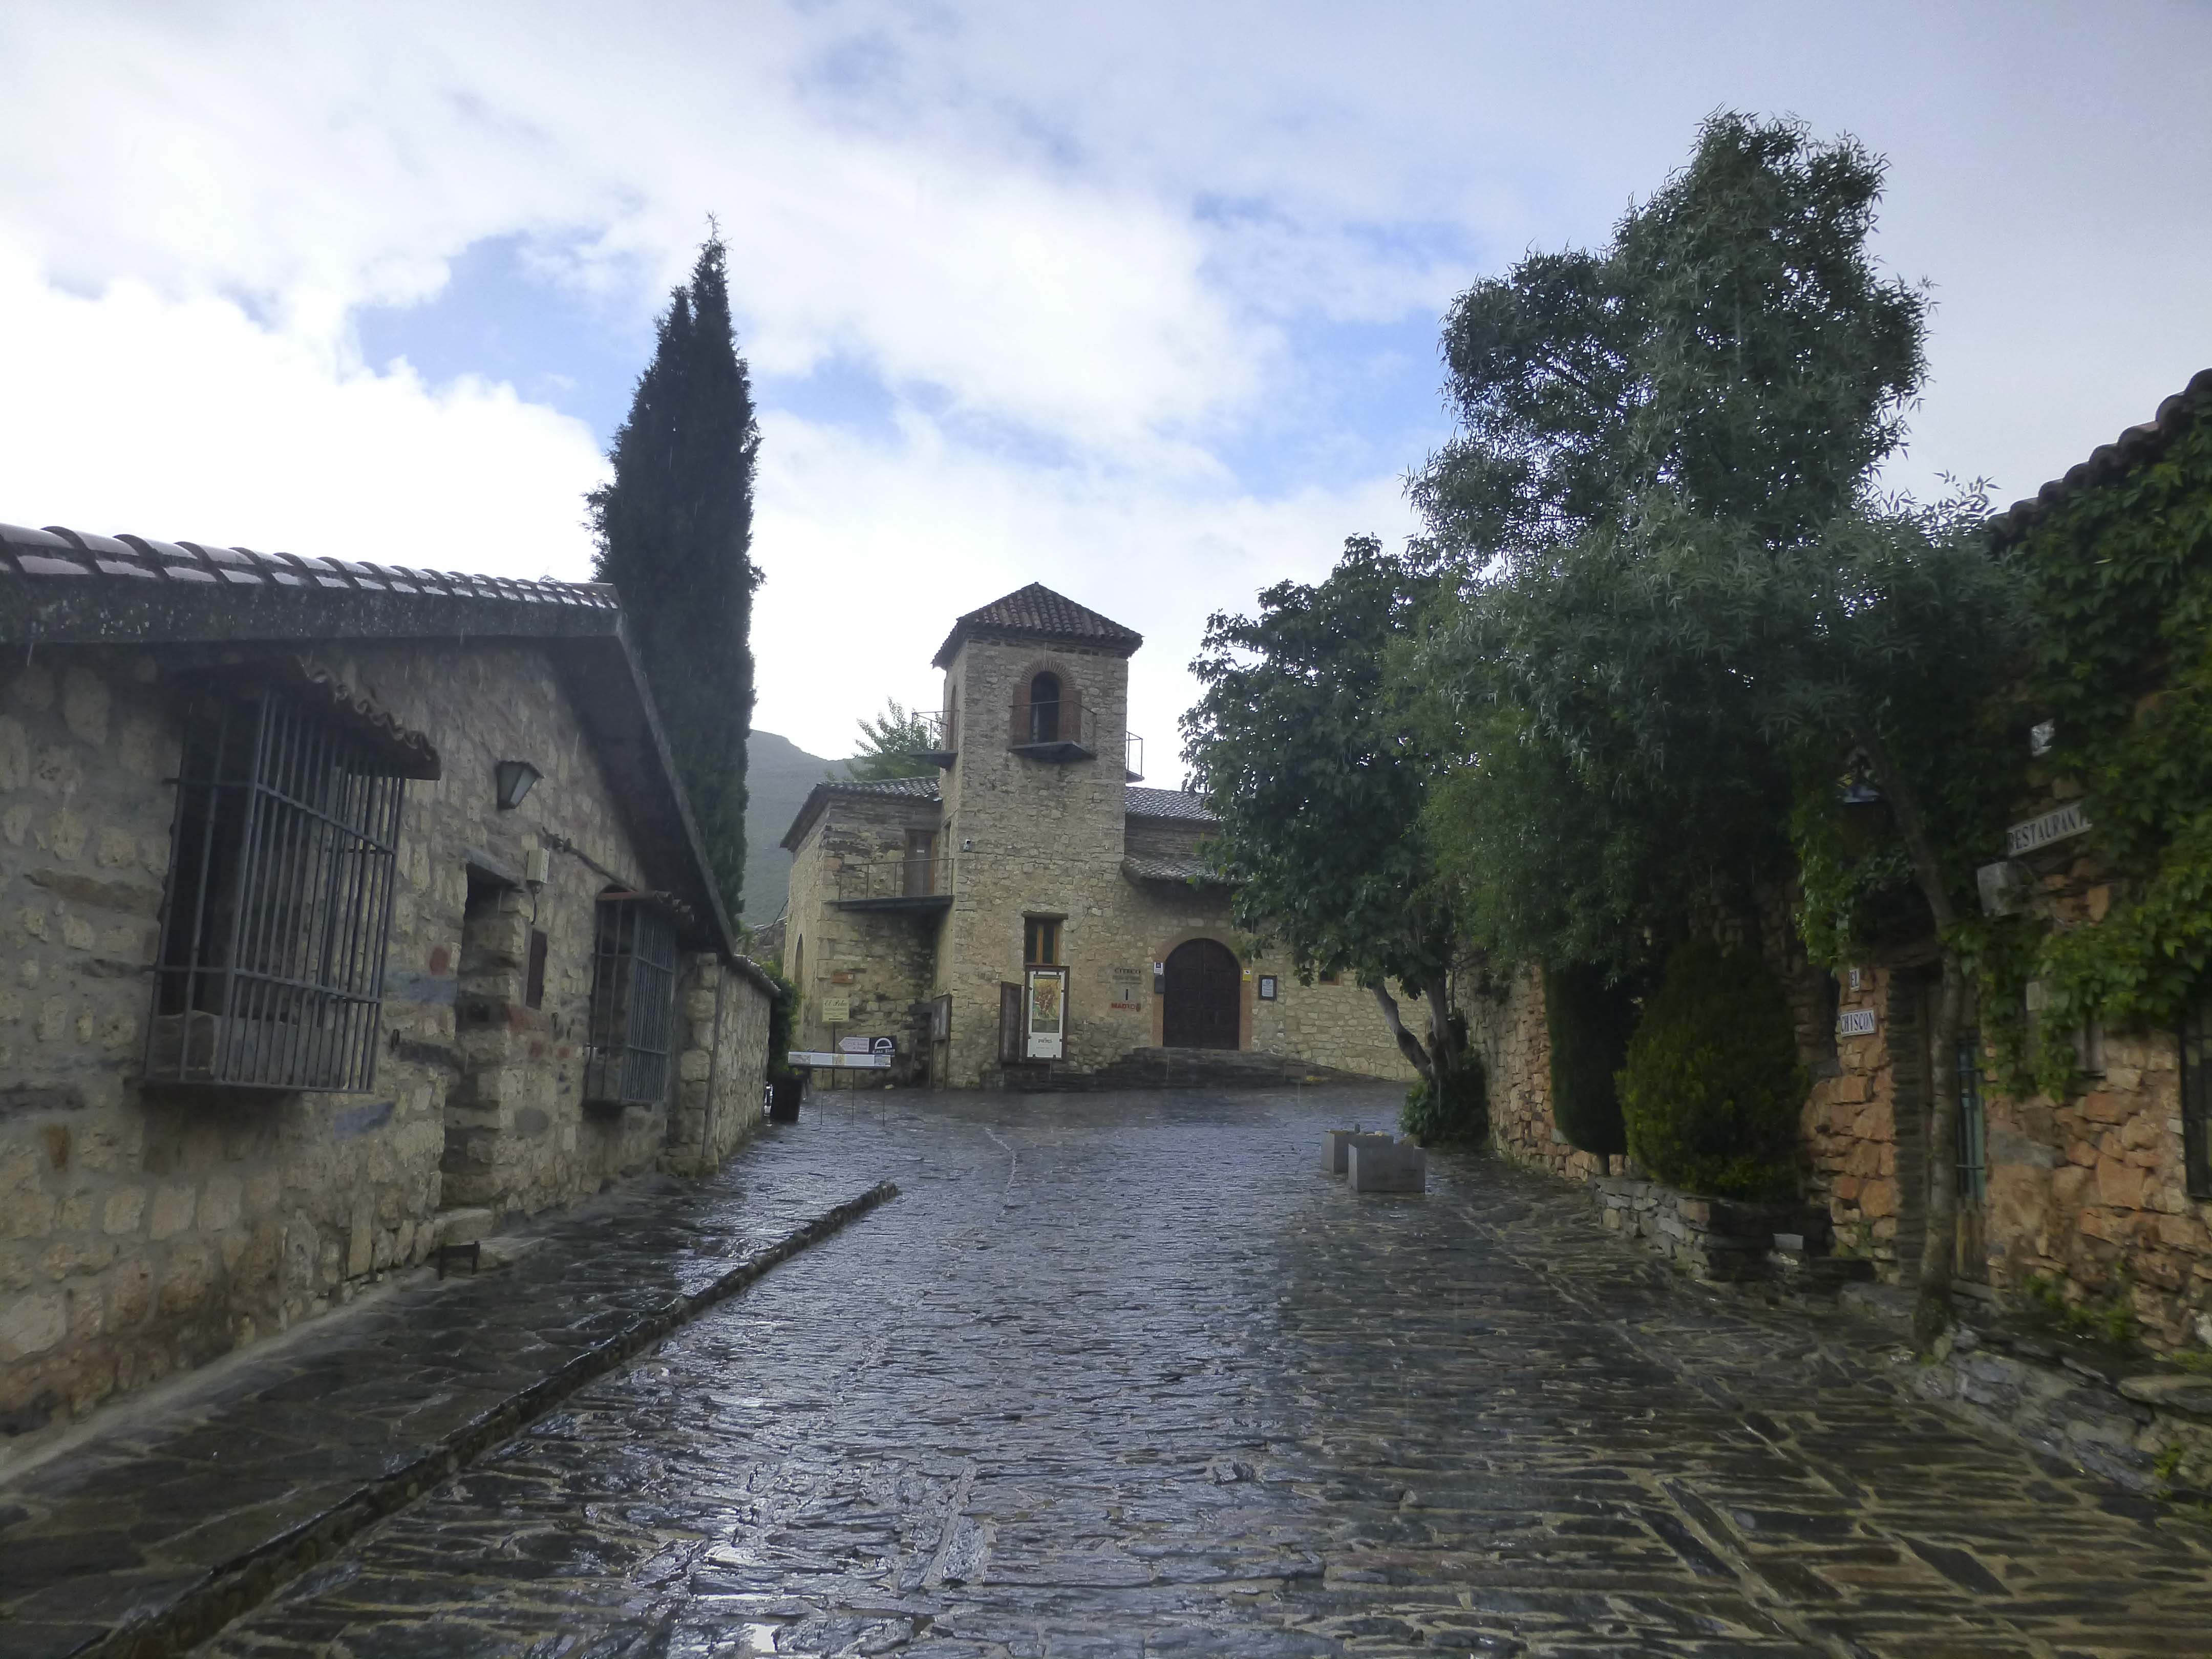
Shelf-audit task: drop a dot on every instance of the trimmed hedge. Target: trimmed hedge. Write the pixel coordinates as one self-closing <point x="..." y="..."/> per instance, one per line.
<point x="1588" y="1023"/>
<point x="1712" y="1087"/>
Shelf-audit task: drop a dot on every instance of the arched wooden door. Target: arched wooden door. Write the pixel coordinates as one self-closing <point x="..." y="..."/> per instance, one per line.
<point x="1200" y="1008"/>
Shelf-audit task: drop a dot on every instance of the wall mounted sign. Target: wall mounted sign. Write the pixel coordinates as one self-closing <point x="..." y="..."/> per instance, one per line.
<point x="836" y="1011"/>
<point x="2056" y="825"/>
<point x="1855" y="1022"/>
<point x="1266" y="988"/>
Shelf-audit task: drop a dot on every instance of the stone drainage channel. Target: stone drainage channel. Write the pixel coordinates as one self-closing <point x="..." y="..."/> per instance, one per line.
<point x="57" y="1543"/>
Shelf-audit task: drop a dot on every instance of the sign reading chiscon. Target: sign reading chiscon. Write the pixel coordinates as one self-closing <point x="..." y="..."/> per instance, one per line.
<point x="2067" y="820"/>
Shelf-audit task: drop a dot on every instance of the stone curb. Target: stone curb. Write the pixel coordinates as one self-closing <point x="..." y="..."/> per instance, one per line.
<point x="246" y="1581"/>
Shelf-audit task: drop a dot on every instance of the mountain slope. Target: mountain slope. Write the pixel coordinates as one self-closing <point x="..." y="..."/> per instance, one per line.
<point x="778" y="774"/>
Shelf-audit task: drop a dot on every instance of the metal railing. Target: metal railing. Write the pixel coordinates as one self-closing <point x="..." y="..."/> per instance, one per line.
<point x="908" y="875"/>
<point x="1133" y="757"/>
<point x="1059" y="730"/>
<point x="938" y="735"/>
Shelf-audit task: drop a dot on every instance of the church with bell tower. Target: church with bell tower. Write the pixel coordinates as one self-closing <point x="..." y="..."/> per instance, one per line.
<point x="1033" y="914"/>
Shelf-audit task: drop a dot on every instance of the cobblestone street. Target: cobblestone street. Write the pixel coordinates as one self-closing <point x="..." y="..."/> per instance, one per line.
<point x="1127" y="1374"/>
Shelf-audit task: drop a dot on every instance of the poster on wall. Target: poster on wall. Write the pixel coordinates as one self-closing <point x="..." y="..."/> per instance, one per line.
<point x="1046" y="1028"/>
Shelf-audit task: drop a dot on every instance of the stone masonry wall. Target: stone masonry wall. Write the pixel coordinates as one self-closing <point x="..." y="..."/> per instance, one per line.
<point x="881" y="961"/>
<point x="142" y="1232"/>
<point x="1516" y="1043"/>
<point x="1035" y="837"/>
<point x="721" y="1064"/>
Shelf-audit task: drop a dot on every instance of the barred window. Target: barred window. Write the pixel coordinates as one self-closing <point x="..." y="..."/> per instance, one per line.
<point x="278" y="903"/>
<point x="1973" y="1121"/>
<point x="633" y="1001"/>
<point x="2196" y="1098"/>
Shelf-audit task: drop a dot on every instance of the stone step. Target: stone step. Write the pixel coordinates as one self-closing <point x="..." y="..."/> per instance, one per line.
<point x="467" y="1226"/>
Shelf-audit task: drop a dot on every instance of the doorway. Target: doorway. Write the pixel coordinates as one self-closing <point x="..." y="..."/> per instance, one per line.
<point x="1203" y="996"/>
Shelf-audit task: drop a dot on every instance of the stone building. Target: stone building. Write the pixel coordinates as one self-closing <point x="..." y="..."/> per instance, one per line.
<point x="1030" y="911"/>
<point x="348" y="908"/>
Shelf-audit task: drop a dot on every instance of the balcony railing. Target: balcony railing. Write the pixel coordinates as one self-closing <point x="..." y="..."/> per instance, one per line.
<point x="939" y="738"/>
<point x="912" y="881"/>
<point x="1056" y="731"/>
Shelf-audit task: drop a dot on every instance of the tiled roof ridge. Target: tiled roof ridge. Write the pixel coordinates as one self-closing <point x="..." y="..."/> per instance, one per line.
<point x="1143" y="803"/>
<point x="2136" y="445"/>
<point x="920" y="787"/>
<point x="60" y="553"/>
<point x="1037" y="609"/>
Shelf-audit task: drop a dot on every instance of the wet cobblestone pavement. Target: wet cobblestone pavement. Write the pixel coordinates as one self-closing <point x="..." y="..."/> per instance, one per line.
<point x="1124" y="1375"/>
<point x="182" y="1507"/>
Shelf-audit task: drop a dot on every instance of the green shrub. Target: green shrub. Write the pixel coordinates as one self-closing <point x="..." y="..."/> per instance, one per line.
<point x="1455" y="1111"/>
<point x="1589" y="1022"/>
<point x="1712" y="1086"/>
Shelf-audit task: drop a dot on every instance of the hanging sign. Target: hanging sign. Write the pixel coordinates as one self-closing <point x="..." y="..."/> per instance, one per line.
<point x="2068" y="820"/>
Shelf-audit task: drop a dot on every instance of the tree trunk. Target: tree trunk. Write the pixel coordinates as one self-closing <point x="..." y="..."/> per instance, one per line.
<point x="1408" y="1044"/>
<point x="1931" y="1313"/>
<point x="1442" y="1050"/>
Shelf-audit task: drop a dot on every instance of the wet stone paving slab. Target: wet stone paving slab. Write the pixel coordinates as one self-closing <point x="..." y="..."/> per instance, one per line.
<point x="1129" y="1374"/>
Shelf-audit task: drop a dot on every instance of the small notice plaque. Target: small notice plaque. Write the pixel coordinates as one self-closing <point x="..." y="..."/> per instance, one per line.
<point x="1856" y="1022"/>
<point x="836" y="1011"/>
<point x="2068" y="820"/>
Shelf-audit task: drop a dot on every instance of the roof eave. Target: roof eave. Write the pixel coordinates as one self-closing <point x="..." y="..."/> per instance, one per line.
<point x="2106" y="463"/>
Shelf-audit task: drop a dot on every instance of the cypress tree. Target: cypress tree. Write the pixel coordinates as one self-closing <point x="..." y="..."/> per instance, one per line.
<point x="675" y="537"/>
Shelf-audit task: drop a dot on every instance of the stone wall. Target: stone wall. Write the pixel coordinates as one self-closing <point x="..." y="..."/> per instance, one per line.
<point x="1338" y="1024"/>
<point x="142" y="1231"/>
<point x="1516" y="1043"/>
<point x="881" y="962"/>
<point x="1708" y="1238"/>
<point x="1036" y="838"/>
<point x="722" y="1064"/>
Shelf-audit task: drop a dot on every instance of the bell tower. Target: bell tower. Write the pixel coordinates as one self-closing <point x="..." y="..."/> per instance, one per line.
<point x="1037" y="694"/>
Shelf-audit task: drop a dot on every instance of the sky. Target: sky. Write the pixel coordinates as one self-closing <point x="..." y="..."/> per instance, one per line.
<point x="1138" y="301"/>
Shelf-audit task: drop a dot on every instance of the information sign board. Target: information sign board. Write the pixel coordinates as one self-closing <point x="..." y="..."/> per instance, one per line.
<point x="2056" y="825"/>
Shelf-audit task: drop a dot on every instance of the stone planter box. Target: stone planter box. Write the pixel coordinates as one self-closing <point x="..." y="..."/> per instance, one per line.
<point x="1720" y="1239"/>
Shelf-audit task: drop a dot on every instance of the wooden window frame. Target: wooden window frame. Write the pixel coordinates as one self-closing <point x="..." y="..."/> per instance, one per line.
<point x="1054" y="941"/>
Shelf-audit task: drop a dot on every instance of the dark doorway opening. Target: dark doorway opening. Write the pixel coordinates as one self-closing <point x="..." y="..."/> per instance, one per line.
<point x="1201" y="1003"/>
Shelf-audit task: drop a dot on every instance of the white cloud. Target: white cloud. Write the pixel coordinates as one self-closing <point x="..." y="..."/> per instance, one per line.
<point x="873" y="549"/>
<point x="1093" y="244"/>
<point x="183" y="418"/>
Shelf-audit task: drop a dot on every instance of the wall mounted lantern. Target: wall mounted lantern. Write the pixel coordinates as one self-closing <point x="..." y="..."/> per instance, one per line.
<point x="513" y="779"/>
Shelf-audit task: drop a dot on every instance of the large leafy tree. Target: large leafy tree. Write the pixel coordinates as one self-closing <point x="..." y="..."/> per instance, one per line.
<point x="674" y="527"/>
<point x="1308" y="744"/>
<point x="890" y="744"/>
<point x="1683" y="592"/>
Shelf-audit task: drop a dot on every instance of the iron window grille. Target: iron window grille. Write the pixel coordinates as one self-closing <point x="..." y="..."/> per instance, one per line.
<point x="277" y="910"/>
<point x="2196" y="1098"/>
<point x="1973" y="1121"/>
<point x="633" y="1002"/>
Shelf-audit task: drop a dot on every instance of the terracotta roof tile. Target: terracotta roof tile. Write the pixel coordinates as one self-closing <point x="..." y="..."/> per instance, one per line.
<point x="1167" y="804"/>
<point x="1036" y="610"/>
<point x="1189" y="870"/>
<point x="2131" y="449"/>
<point x="59" y="552"/>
